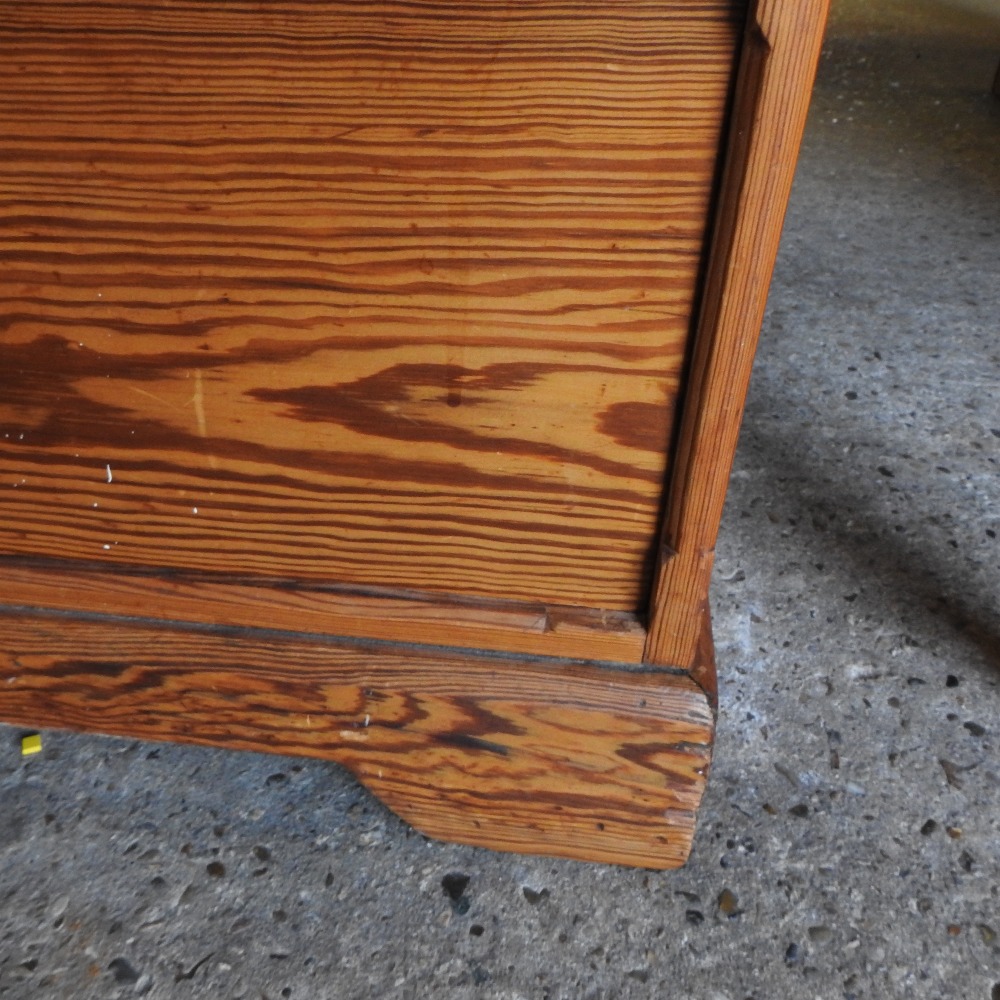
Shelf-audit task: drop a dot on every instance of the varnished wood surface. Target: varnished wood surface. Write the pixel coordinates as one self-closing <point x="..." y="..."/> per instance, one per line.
<point x="373" y="319"/>
<point x="385" y="294"/>
<point x="778" y="65"/>
<point x="548" y="758"/>
<point x="511" y="626"/>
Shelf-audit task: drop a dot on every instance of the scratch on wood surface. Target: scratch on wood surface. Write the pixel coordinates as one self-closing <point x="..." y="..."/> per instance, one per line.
<point x="198" y="401"/>
<point x="152" y="395"/>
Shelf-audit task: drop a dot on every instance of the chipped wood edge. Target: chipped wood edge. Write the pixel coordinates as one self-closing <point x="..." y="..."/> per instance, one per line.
<point x="543" y="757"/>
<point x="777" y="66"/>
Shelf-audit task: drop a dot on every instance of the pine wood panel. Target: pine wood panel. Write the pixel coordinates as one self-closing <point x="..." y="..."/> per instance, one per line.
<point x="778" y="65"/>
<point x="387" y="294"/>
<point x="552" y="758"/>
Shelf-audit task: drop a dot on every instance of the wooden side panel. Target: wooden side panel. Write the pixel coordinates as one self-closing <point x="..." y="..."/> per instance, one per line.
<point x="549" y="758"/>
<point x="780" y="53"/>
<point x="373" y="293"/>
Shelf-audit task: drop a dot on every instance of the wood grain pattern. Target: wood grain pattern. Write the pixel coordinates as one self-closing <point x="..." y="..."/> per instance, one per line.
<point x="777" y="68"/>
<point x="370" y="320"/>
<point x="551" y="758"/>
<point x="372" y="293"/>
<point x="510" y="626"/>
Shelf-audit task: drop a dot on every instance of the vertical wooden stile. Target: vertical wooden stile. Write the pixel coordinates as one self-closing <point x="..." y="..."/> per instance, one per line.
<point x="778" y="63"/>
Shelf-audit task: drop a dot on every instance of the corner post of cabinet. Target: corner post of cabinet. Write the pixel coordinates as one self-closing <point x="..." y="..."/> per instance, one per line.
<point x="777" y="66"/>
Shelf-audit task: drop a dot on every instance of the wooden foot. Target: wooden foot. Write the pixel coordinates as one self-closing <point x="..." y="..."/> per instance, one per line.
<point x="542" y="755"/>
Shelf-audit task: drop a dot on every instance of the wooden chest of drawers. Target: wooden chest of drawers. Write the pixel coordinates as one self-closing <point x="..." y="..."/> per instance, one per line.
<point x="370" y="374"/>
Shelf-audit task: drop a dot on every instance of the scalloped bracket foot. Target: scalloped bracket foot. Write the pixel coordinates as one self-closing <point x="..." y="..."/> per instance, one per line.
<point x="539" y="756"/>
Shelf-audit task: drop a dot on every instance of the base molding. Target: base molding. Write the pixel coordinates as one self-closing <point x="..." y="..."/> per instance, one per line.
<point x="537" y="755"/>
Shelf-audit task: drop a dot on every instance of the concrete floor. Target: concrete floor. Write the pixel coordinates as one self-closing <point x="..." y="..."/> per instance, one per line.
<point x="849" y="844"/>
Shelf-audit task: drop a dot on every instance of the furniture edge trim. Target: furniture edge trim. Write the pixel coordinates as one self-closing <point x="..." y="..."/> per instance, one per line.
<point x="515" y="627"/>
<point x="777" y="67"/>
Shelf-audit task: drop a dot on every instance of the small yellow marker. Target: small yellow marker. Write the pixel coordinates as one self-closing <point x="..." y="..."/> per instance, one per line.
<point x="31" y="744"/>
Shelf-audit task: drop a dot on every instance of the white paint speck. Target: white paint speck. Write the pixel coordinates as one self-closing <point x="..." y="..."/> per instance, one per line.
<point x="353" y="735"/>
<point x="194" y="510"/>
<point x="107" y="469"/>
<point x="106" y="547"/>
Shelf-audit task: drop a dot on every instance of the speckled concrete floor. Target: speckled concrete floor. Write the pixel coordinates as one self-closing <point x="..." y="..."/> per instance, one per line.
<point x="849" y="845"/>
